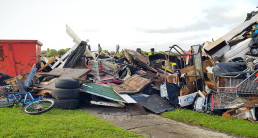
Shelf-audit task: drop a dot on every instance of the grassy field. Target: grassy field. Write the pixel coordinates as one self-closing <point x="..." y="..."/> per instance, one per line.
<point x="56" y="123"/>
<point x="230" y="125"/>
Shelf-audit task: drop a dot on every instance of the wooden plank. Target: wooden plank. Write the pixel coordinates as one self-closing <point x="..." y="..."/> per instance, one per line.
<point x="44" y="91"/>
<point x="190" y="70"/>
<point x="127" y="98"/>
<point x="207" y="63"/>
<point x="49" y="62"/>
<point x="12" y="81"/>
<point x="64" y="73"/>
<point x="210" y="84"/>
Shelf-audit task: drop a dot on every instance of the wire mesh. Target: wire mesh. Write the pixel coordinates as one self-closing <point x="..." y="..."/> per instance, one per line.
<point x="95" y="67"/>
<point x="234" y="92"/>
<point x="104" y="69"/>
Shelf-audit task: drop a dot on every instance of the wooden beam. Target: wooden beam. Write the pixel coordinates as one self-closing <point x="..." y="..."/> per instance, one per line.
<point x="49" y="62"/>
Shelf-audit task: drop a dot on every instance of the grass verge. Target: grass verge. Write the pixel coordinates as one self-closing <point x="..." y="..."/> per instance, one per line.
<point x="56" y="123"/>
<point x="233" y="126"/>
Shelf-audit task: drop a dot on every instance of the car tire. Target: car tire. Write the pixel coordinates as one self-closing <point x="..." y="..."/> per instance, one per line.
<point x="65" y="93"/>
<point x="67" y="84"/>
<point x="67" y="104"/>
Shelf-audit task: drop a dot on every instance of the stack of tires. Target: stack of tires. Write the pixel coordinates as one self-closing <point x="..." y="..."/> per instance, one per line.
<point x="66" y="94"/>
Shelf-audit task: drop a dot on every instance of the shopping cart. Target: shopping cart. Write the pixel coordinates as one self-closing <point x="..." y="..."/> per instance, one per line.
<point x="231" y="91"/>
<point x="104" y="70"/>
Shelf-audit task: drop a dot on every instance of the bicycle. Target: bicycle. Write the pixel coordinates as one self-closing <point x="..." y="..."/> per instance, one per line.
<point x="34" y="106"/>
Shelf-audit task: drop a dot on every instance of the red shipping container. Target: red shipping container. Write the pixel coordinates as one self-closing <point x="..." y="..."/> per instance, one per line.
<point x="18" y="56"/>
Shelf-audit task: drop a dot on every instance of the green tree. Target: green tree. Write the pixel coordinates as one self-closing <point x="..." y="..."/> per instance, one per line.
<point x="43" y="53"/>
<point x="61" y="52"/>
<point x="67" y="49"/>
<point x="104" y="52"/>
<point x="51" y="53"/>
<point x="144" y="53"/>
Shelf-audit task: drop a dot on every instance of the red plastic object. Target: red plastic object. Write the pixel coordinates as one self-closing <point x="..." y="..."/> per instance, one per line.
<point x="18" y="56"/>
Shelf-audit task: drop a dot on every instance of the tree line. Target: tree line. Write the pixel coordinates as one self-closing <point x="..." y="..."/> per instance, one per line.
<point x="54" y="52"/>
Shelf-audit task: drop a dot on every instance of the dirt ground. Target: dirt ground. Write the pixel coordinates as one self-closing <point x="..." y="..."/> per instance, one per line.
<point x="151" y="125"/>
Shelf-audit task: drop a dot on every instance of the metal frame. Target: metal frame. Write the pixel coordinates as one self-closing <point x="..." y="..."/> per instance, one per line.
<point x="224" y="75"/>
<point x="226" y="95"/>
<point x="197" y="55"/>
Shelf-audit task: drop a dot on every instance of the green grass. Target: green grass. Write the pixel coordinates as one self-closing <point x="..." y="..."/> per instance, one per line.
<point x="56" y="123"/>
<point x="233" y="126"/>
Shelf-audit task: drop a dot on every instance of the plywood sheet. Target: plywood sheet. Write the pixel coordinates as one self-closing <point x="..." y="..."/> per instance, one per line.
<point x="64" y="73"/>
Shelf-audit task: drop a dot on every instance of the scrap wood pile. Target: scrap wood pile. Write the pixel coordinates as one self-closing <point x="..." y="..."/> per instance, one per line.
<point x="219" y="77"/>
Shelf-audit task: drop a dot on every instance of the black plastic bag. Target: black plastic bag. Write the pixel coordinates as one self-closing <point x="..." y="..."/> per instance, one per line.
<point x="173" y="91"/>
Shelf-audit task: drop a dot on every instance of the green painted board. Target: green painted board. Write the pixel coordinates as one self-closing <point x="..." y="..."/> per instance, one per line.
<point x="101" y="91"/>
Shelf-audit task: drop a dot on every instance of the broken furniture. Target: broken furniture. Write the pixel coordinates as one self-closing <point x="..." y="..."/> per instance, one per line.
<point x="194" y="72"/>
<point x="217" y="48"/>
<point x="244" y="111"/>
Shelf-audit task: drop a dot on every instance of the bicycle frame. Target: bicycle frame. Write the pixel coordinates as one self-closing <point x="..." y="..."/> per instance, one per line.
<point x="30" y="105"/>
<point x="27" y="96"/>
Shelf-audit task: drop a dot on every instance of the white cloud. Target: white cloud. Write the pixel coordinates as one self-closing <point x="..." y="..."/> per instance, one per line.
<point x="131" y="24"/>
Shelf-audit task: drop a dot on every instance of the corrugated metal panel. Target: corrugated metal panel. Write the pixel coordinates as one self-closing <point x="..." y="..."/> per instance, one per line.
<point x="101" y="91"/>
<point x="239" y="28"/>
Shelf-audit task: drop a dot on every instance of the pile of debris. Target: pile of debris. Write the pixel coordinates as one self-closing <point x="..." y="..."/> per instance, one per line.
<point x="219" y="77"/>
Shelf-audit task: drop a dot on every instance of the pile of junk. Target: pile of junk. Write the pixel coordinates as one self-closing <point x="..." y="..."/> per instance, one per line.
<point x="219" y="77"/>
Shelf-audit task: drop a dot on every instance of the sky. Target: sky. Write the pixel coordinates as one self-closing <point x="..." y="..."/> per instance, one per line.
<point x="131" y="24"/>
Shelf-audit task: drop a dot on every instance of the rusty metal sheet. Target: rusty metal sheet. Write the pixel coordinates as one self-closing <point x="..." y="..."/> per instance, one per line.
<point x="133" y="84"/>
<point x="64" y="73"/>
<point x="138" y="56"/>
<point x="191" y="70"/>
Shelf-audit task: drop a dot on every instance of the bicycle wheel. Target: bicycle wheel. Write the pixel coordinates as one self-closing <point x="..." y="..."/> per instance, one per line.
<point x="39" y="106"/>
<point x="8" y="99"/>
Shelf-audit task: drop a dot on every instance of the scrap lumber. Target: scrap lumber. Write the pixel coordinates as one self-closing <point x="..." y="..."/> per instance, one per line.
<point x="49" y="62"/>
<point x="247" y="106"/>
<point x="64" y="73"/>
<point x="134" y="84"/>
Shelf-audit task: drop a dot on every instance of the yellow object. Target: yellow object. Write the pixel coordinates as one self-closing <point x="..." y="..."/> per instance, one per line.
<point x="172" y="63"/>
<point x="149" y="54"/>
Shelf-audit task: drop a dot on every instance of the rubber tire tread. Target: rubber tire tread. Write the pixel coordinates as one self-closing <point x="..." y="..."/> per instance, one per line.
<point x="36" y="113"/>
<point x="67" y="84"/>
<point x="67" y="104"/>
<point x="65" y="93"/>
